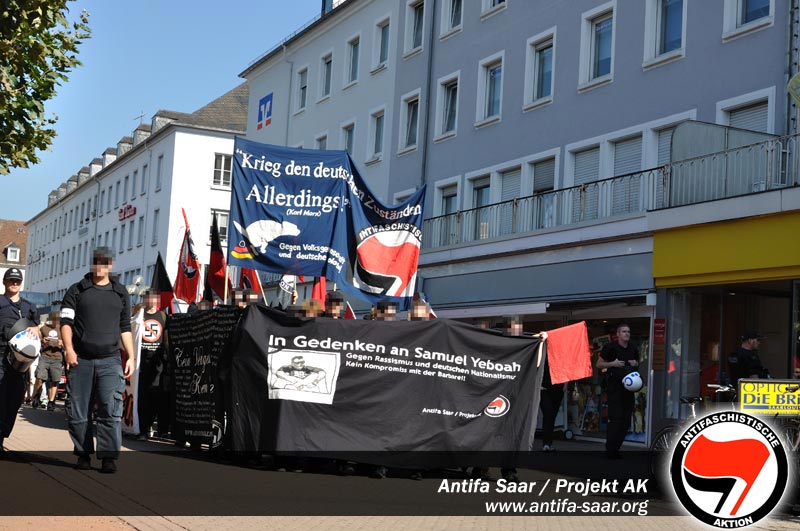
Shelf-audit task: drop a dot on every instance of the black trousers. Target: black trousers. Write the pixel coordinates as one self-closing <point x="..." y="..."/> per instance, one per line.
<point x="550" y="399"/>
<point x="12" y="392"/>
<point x="150" y="407"/>
<point x="620" y="409"/>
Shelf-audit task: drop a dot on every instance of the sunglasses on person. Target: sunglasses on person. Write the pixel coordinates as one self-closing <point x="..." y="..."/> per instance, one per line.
<point x="14" y="281"/>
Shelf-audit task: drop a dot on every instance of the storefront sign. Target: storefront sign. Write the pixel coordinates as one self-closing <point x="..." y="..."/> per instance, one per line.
<point x="769" y="397"/>
<point x="659" y="343"/>
<point x="127" y="212"/>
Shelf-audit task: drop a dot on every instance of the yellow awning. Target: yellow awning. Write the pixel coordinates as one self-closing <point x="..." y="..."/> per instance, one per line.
<point x="743" y="250"/>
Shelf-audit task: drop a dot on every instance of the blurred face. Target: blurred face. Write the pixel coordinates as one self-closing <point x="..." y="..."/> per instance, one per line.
<point x="151" y="300"/>
<point x="101" y="266"/>
<point x="335" y="308"/>
<point x="12" y="285"/>
<point x="419" y="312"/>
<point x="515" y="329"/>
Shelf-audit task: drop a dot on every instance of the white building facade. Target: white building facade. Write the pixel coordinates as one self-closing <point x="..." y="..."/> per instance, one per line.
<point x="133" y="198"/>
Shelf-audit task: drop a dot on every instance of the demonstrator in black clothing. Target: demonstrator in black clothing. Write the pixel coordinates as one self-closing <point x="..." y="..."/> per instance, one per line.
<point x="95" y="316"/>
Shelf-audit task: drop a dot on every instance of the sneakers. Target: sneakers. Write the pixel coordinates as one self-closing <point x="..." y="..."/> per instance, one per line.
<point x="51" y="406"/>
<point x="548" y="448"/>
<point x="109" y="466"/>
<point x="379" y="472"/>
<point x="346" y="469"/>
<point x="35" y="403"/>
<point x="84" y="463"/>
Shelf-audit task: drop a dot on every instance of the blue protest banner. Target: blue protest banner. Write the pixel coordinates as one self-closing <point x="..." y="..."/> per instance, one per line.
<point x="309" y="212"/>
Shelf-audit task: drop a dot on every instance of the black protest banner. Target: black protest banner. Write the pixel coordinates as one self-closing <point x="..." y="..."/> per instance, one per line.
<point x="403" y="388"/>
<point x="197" y="344"/>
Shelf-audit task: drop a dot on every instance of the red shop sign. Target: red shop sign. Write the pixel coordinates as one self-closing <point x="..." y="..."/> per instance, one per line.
<point x="127" y="212"/>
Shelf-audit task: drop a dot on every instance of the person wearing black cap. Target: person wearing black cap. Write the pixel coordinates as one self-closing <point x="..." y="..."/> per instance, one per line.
<point x="95" y="318"/>
<point x="745" y="363"/>
<point x="12" y="383"/>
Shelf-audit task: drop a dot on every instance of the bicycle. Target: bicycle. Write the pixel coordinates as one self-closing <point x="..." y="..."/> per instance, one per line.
<point x="663" y="440"/>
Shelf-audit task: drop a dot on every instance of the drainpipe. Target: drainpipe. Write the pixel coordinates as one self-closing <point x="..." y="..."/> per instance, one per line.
<point x="426" y="127"/>
<point x="793" y="27"/>
<point x="289" y="99"/>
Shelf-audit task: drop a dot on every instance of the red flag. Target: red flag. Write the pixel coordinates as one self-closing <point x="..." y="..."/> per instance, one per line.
<point x="348" y="311"/>
<point x="714" y="459"/>
<point x="161" y="283"/>
<point x="215" y="274"/>
<point x="248" y="278"/>
<point x="568" y="353"/>
<point x="320" y="290"/>
<point x="188" y="268"/>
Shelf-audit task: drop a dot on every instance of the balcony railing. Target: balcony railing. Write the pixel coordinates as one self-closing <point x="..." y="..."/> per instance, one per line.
<point x="731" y="173"/>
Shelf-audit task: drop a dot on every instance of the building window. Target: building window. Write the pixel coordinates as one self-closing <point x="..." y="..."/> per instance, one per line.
<point x="601" y="46"/>
<point x="144" y="179"/>
<point x="121" y="238"/>
<point x="447" y="104"/>
<point x="133" y="184"/>
<point x="449" y="200"/>
<point x="415" y="18"/>
<point x="13" y="254"/>
<point x="140" y="235"/>
<point x="352" y="66"/>
<point x="491" y="6"/>
<point x="540" y="59"/>
<point x="222" y="170"/>
<point x="130" y="234"/>
<point x="451" y="18"/>
<point x="597" y="46"/>
<point x="382" y="43"/>
<point x="156" y="215"/>
<point x="670" y="26"/>
<point x="481" y="197"/>
<point x="321" y="142"/>
<point x="752" y="10"/>
<point x="113" y="239"/>
<point x="665" y="26"/>
<point x="159" y="168"/>
<point x="348" y="135"/>
<point x="302" y="89"/>
<point x="327" y="70"/>
<point x="222" y="225"/>
<point x="125" y="188"/>
<point x="490" y="88"/>
<point x="377" y="120"/>
<point x="409" y="120"/>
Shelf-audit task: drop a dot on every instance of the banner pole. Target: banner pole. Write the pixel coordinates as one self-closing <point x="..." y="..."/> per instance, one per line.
<point x="261" y="287"/>
<point x="225" y="297"/>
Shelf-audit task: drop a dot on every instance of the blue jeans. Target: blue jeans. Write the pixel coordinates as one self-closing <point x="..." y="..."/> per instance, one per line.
<point x="103" y="380"/>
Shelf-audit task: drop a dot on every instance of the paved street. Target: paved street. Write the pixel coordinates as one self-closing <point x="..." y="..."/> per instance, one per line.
<point x="139" y="498"/>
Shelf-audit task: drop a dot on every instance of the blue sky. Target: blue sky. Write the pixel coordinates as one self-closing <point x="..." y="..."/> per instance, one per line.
<point x="143" y="56"/>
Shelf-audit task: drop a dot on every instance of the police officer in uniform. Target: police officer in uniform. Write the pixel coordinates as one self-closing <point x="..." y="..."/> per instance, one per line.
<point x="618" y="357"/>
<point x="12" y="383"/>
